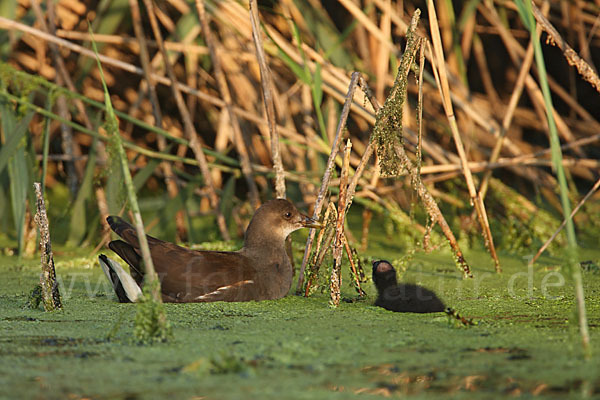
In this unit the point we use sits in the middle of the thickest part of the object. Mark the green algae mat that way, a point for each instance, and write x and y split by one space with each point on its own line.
525 341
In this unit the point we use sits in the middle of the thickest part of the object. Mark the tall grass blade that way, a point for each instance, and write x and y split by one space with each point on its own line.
526 14
151 320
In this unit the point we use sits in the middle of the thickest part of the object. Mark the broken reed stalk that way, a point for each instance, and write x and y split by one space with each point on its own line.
439 69
338 246
322 246
562 225
188 125
267 82
151 319
571 55
327 175
239 141
48 284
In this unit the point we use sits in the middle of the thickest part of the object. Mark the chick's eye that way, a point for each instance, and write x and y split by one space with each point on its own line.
287 214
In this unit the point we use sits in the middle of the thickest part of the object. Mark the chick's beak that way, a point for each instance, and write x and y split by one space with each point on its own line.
309 222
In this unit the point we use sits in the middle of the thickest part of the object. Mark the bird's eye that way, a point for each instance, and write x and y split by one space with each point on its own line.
287 215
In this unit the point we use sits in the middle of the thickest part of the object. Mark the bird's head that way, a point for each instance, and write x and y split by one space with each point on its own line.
274 221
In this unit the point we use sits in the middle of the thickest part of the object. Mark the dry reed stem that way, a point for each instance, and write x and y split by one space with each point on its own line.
572 57
355 274
50 293
396 20
322 247
267 83
525 160
440 68
238 140
336 269
562 225
327 175
358 173
190 131
187 48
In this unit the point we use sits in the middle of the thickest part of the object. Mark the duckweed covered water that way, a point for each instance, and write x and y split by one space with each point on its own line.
525 343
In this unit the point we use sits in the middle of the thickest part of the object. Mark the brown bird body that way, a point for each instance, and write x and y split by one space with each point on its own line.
260 270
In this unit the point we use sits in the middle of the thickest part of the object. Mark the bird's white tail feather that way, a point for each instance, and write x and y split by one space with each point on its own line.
132 290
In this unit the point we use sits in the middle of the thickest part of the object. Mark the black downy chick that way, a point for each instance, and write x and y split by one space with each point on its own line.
403 297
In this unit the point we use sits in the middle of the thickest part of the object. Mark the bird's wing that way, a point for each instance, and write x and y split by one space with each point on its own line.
202 276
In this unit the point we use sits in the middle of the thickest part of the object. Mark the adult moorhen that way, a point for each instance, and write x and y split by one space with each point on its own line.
260 270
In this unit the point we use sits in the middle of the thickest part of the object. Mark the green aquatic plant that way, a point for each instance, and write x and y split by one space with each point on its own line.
35 298
220 364
151 325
